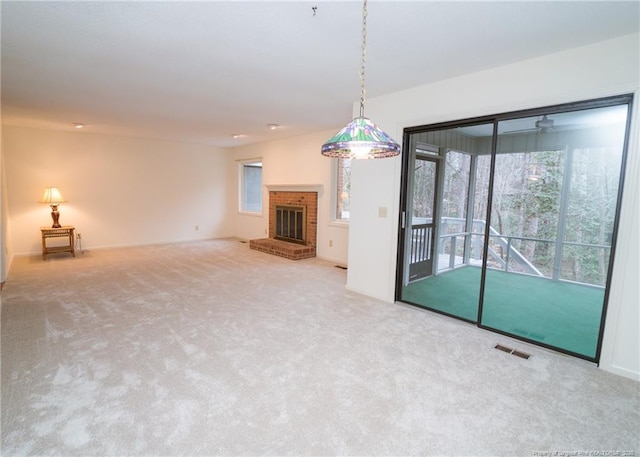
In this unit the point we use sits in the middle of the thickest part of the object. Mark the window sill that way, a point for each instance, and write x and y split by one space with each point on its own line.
340 224
248 213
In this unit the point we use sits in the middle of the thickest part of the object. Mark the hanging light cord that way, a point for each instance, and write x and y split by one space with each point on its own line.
363 91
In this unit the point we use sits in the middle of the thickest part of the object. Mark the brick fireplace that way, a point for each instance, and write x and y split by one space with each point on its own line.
289 207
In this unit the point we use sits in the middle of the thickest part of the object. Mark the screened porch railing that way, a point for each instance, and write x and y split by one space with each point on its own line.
503 253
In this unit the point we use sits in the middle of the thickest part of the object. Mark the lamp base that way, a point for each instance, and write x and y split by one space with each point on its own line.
55 215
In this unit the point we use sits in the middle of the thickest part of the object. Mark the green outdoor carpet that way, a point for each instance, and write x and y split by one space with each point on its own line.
456 292
559 314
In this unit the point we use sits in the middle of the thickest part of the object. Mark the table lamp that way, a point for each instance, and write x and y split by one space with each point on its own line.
53 197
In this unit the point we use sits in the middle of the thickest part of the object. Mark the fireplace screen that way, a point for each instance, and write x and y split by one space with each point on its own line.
291 223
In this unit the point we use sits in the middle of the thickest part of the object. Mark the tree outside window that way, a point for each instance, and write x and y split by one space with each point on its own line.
343 190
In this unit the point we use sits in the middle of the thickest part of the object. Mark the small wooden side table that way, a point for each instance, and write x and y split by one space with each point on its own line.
66 231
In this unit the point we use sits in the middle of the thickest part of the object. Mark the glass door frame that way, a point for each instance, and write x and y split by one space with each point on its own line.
624 99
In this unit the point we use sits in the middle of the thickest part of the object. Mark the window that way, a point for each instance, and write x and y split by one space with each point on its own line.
343 190
251 186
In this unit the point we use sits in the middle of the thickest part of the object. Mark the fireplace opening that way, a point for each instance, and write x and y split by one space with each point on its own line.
291 223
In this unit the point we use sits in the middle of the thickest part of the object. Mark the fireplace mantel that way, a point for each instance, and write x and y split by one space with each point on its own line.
294 188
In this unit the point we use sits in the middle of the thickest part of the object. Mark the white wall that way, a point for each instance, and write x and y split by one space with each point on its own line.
5 254
293 161
598 70
621 345
120 191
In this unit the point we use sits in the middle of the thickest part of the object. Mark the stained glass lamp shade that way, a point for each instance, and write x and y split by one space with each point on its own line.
361 139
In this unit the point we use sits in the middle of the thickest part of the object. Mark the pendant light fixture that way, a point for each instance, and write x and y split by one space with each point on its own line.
361 138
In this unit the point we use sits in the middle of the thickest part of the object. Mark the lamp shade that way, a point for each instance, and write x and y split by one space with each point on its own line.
52 196
361 139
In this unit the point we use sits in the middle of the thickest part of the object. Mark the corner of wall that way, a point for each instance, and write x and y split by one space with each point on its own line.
621 343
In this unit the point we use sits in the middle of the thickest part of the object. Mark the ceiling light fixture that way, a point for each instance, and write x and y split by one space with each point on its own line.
272 126
361 138
78 125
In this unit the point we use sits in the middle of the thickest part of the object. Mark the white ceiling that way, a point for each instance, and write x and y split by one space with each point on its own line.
202 71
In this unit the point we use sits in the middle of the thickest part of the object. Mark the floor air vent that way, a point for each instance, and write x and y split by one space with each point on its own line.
522 355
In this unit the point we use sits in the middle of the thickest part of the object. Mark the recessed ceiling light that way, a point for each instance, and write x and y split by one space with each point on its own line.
78 125
272 126
236 135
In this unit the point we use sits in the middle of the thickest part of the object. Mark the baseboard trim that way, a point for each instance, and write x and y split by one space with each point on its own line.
340 262
621 371
132 245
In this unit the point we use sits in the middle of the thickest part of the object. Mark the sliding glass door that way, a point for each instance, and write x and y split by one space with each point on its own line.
525 210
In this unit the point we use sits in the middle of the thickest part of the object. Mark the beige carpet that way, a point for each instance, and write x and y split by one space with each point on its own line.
210 348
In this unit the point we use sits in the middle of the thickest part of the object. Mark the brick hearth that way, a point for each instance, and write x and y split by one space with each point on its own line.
291 251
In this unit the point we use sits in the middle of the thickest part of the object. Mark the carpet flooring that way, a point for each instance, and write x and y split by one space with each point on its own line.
209 348
560 314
